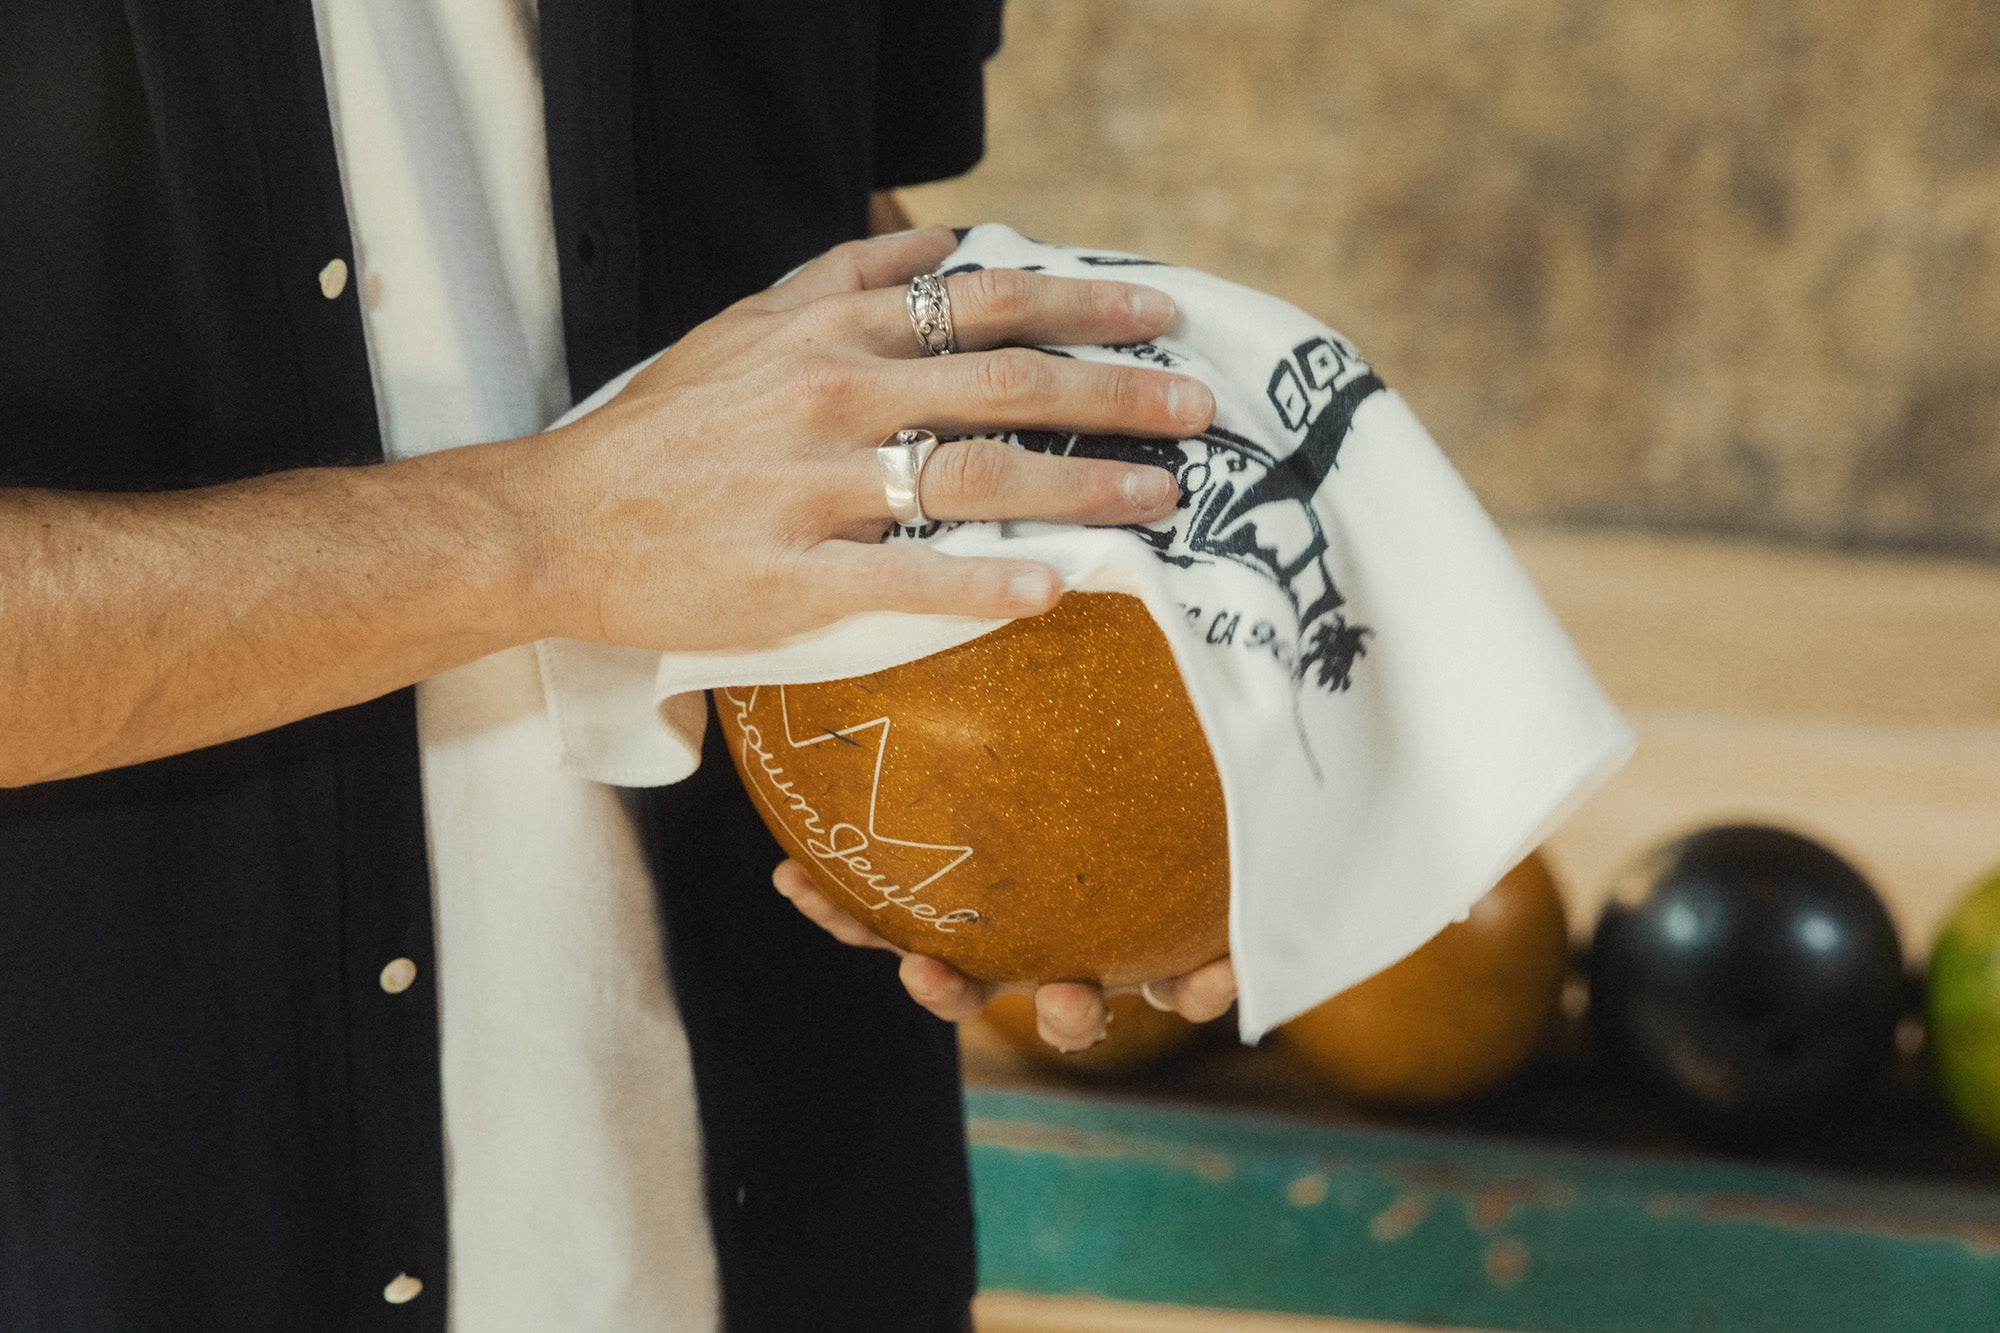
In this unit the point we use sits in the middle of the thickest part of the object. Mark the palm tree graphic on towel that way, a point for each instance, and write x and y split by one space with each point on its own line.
1251 504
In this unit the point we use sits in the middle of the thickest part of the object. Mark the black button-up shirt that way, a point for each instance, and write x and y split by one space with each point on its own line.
212 1112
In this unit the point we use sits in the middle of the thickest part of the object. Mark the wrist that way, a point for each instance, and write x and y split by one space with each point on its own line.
500 565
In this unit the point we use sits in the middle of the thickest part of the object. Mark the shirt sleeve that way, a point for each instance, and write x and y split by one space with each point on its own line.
930 88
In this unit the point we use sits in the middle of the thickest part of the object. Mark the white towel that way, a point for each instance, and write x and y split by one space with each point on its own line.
1396 717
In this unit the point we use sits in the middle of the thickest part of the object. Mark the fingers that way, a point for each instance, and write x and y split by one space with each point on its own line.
852 577
1071 1016
1017 388
857 266
991 479
791 880
943 990
1000 307
936 986
1198 996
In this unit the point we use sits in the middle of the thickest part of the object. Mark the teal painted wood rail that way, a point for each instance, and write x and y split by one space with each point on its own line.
1086 1195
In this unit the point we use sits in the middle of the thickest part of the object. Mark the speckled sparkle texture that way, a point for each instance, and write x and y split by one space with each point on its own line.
1039 804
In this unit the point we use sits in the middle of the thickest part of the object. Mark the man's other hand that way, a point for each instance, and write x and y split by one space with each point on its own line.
729 497
1069 1015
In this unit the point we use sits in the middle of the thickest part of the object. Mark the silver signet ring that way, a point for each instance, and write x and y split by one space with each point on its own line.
901 459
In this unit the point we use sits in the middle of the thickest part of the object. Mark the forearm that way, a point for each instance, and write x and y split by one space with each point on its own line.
135 626
728 497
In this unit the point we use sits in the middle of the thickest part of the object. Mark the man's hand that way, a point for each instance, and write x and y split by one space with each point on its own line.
730 498
1069 1015
727 498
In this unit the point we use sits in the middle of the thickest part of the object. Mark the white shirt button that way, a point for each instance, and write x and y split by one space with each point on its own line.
403 1289
397 975
333 279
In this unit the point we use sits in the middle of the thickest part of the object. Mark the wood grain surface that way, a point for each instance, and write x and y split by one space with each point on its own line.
1019 1312
1856 698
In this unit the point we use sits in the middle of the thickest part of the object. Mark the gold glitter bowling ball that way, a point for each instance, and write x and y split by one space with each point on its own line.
1039 804
1138 1035
1456 1016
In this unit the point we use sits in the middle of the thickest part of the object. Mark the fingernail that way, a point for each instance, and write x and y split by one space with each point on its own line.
1034 587
1190 402
1068 1007
1063 1048
1152 306
1147 488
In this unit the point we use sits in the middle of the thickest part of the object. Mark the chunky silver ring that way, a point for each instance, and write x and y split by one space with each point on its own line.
901 459
930 314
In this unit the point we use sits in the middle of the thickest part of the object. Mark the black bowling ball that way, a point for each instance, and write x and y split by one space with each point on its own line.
1750 976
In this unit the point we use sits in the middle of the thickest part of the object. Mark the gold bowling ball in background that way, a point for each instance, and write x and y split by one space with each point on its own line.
1039 804
1456 1016
1138 1035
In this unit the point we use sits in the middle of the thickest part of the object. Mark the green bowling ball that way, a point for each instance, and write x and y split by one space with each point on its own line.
1962 996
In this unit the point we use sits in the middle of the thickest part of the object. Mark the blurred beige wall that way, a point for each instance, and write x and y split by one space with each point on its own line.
1679 263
